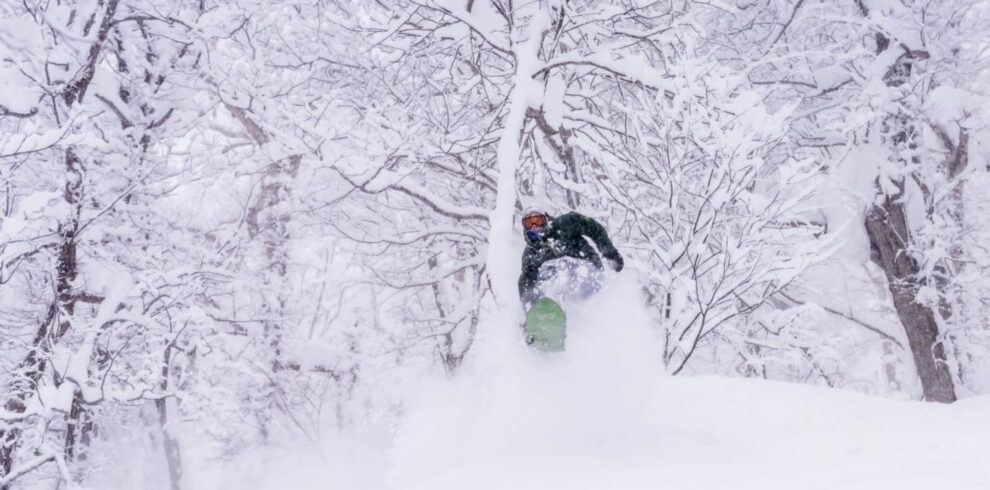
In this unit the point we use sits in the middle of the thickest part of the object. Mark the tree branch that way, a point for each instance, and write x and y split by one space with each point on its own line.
4 111
786 24
76 89
124 121
26 468
857 321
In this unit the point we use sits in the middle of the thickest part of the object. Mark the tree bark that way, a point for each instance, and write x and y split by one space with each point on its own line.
887 228
886 225
51 330
79 427
170 446
269 222
75 90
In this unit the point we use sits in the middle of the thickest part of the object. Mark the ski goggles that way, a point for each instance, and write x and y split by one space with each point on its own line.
534 220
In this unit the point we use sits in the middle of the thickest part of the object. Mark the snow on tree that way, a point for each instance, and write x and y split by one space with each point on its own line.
236 224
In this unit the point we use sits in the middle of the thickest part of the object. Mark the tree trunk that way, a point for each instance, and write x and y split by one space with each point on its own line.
79 427
54 326
170 446
268 220
886 225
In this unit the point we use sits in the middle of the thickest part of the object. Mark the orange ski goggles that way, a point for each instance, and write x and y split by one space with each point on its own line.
534 220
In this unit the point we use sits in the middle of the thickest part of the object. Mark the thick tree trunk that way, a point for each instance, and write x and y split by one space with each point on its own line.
887 228
886 225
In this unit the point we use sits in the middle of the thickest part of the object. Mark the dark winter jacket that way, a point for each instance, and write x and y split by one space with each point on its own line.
565 237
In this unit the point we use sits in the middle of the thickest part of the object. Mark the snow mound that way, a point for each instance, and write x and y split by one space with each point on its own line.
603 415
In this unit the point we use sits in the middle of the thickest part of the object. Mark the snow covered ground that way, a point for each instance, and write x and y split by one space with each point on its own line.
716 434
603 416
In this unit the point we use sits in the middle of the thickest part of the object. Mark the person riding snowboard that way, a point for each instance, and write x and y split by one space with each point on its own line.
571 235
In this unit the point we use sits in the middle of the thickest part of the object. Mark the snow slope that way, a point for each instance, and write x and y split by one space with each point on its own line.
722 434
603 416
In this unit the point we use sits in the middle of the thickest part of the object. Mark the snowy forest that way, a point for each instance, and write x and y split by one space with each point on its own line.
275 244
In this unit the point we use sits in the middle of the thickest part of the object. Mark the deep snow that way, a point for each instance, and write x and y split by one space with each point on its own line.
603 416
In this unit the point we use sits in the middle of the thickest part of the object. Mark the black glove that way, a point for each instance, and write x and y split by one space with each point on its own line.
617 262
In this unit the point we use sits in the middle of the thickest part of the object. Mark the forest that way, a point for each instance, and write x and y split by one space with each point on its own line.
239 224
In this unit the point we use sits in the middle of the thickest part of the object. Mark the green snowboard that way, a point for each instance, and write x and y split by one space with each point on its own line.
545 326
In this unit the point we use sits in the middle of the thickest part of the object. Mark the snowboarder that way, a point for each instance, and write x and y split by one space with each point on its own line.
568 247
571 235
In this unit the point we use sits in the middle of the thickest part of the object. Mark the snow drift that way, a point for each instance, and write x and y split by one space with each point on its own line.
603 415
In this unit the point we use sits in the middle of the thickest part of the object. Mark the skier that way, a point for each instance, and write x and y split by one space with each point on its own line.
572 235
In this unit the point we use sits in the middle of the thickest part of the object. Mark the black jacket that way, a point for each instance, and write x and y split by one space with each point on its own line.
565 237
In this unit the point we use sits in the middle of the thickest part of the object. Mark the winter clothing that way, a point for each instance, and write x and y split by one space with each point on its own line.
568 279
564 236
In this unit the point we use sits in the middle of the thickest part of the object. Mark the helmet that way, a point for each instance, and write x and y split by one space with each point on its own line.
534 223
